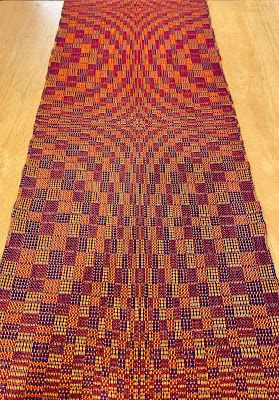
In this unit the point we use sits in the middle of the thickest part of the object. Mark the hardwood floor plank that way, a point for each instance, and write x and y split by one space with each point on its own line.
248 38
27 32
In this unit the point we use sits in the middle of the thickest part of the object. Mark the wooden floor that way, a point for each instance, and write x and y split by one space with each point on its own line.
247 33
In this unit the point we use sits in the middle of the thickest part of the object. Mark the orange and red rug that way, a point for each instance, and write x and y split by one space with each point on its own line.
136 266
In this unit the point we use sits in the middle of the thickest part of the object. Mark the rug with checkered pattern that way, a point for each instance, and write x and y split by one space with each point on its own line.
136 266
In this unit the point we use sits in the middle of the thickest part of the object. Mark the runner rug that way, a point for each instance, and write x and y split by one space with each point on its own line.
136 265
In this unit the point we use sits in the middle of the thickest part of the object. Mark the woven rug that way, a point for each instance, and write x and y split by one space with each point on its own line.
136 265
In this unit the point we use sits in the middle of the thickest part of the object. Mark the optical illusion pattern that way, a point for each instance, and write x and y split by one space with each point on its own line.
136 265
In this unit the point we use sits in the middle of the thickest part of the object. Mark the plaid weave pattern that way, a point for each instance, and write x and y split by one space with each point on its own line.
136 265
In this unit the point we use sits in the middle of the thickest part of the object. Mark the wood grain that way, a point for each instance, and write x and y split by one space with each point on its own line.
27 32
247 33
